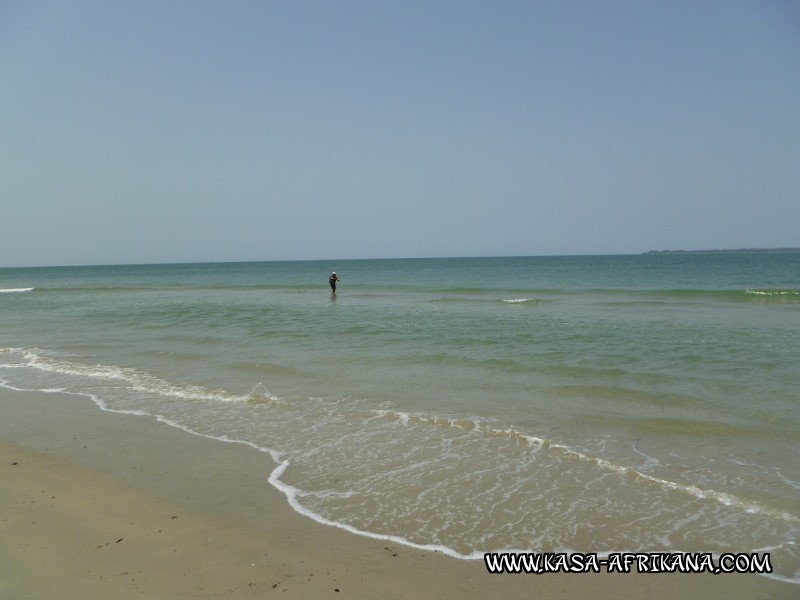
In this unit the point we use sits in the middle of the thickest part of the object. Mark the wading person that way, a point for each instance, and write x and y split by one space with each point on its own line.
332 281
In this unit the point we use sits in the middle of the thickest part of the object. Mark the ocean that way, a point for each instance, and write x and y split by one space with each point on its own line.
465 405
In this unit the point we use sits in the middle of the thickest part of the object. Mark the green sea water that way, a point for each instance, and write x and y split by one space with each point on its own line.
592 403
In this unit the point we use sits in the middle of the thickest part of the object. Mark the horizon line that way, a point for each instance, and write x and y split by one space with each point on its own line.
342 259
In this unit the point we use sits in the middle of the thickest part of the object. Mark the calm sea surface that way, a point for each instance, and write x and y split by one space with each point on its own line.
594 403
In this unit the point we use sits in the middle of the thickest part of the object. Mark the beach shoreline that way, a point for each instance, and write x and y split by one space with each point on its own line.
97 504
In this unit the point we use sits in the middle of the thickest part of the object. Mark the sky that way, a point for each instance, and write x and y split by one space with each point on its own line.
150 131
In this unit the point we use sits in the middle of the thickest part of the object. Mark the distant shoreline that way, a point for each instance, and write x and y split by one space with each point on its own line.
729 251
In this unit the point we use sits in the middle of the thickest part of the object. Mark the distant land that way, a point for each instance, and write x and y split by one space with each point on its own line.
730 251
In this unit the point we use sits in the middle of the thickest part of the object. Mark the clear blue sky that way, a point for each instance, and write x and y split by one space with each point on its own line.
171 131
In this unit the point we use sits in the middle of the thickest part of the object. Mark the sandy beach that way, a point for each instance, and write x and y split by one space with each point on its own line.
98 505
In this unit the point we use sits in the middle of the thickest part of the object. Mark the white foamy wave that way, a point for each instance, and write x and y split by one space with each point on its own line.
136 380
773 292
292 493
521 301
536 443
15 290
473 424
723 498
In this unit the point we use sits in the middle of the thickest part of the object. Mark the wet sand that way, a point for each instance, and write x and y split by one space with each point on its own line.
99 505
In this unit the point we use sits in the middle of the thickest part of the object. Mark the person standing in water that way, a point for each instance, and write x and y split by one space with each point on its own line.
332 281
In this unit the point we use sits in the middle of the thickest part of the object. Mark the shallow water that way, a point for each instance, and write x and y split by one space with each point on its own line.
587 403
